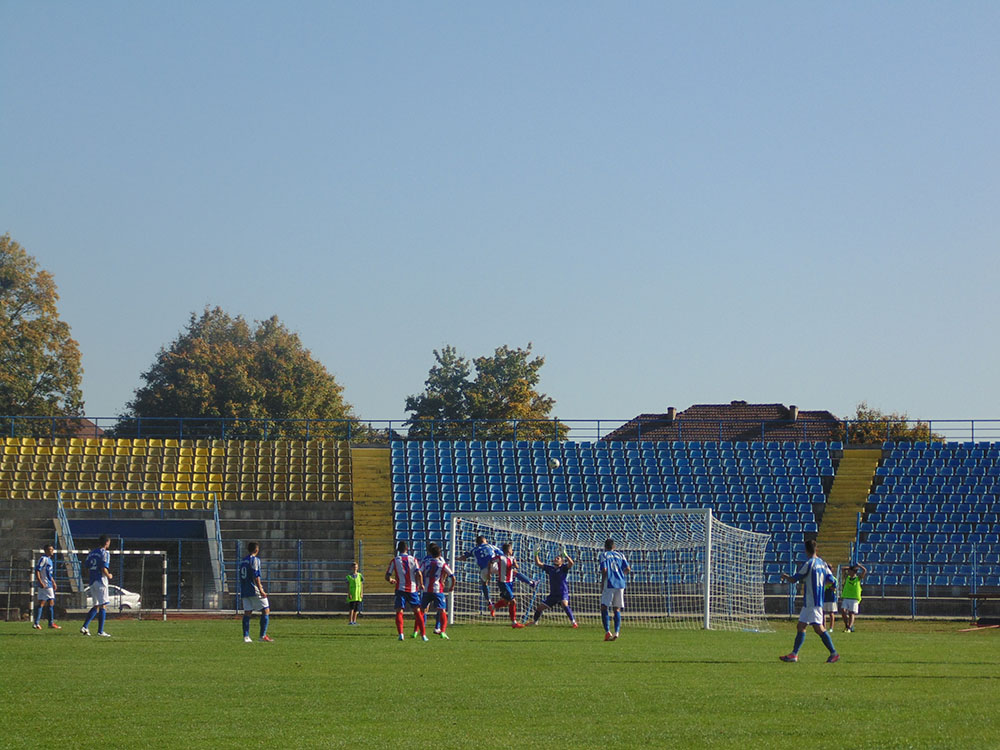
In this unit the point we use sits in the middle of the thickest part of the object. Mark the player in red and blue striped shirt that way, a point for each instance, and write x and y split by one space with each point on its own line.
404 572
506 574
437 574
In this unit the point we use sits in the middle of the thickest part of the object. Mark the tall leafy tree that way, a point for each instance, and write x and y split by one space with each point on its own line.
870 426
220 366
40 368
500 401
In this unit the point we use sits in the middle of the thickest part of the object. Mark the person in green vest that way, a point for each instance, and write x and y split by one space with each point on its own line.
850 593
355 593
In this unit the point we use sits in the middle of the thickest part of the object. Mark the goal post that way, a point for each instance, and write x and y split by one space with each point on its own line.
131 568
688 570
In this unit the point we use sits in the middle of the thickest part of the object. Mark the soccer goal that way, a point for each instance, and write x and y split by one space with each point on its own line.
688 569
139 584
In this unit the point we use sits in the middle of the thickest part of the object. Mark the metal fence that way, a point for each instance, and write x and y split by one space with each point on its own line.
382 432
294 580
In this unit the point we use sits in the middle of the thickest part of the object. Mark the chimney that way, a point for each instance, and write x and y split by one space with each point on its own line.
671 413
793 412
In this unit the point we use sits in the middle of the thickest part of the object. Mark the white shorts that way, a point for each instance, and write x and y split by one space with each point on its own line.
811 615
829 606
614 598
45 594
255 603
98 592
849 605
485 574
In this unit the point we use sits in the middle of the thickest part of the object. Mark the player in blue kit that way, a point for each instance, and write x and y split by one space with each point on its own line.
98 563
253 594
485 555
45 577
614 568
558 587
815 574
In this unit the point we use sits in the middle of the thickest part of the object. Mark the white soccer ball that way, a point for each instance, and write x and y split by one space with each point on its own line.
554 463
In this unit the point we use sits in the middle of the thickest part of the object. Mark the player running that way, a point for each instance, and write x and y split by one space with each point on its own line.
97 564
815 573
404 573
437 576
506 569
558 588
253 594
614 567
45 577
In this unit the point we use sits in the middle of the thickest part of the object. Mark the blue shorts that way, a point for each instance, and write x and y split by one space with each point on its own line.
436 599
553 599
406 599
507 591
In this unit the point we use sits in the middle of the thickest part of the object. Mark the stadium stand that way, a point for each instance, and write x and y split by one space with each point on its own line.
933 514
188 472
771 487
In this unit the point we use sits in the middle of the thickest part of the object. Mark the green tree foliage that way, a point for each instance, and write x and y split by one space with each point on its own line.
222 367
869 426
40 368
500 402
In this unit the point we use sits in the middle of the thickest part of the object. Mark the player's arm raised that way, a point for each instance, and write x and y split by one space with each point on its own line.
569 560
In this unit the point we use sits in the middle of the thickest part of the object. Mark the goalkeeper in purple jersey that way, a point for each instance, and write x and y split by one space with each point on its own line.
815 574
558 587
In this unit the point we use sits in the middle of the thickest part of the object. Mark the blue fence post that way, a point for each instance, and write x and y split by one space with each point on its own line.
298 577
975 581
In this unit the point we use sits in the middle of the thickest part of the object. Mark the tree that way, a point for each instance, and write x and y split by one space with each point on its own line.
221 367
40 368
869 426
500 402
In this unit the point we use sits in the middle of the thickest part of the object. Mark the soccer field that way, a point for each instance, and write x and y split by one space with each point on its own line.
322 684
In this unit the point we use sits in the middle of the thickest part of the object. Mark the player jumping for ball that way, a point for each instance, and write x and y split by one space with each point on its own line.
486 556
558 588
506 568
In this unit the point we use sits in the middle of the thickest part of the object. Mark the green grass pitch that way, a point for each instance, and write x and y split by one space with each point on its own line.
321 684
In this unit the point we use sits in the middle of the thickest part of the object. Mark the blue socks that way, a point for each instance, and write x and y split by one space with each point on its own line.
569 613
264 619
604 619
618 620
90 616
246 626
52 613
101 614
486 592
38 615
800 638
828 642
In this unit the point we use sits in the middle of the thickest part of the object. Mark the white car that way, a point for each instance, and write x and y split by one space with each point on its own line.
120 598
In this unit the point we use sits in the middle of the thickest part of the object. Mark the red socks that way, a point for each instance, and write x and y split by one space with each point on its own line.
399 622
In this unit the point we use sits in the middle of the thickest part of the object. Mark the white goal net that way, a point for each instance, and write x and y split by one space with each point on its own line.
688 570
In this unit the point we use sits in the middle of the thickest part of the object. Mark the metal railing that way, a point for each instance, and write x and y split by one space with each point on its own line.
383 431
289 576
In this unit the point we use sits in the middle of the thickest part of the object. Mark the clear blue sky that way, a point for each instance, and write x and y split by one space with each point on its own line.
676 202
